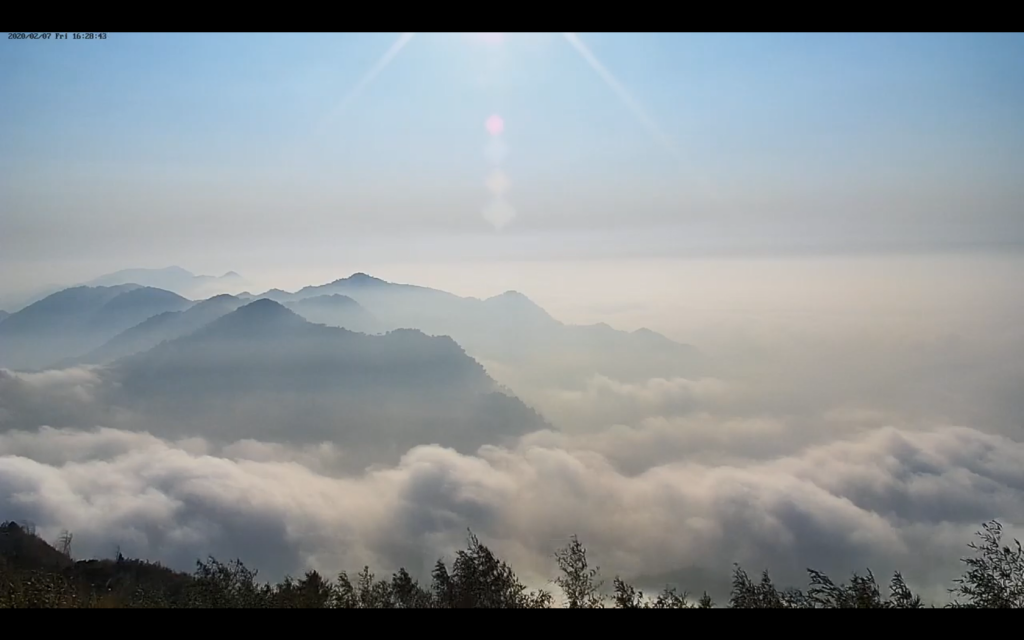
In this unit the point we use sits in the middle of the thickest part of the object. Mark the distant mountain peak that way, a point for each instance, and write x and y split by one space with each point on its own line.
514 297
259 316
231 274
360 278
265 306
222 297
143 295
76 295
655 338
516 307
649 335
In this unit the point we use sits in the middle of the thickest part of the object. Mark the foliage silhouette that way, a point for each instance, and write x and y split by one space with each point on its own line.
34 574
578 581
995 577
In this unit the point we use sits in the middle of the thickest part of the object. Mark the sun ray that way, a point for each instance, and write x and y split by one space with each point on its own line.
370 75
620 91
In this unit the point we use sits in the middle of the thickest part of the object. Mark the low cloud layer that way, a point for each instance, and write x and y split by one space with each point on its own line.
888 498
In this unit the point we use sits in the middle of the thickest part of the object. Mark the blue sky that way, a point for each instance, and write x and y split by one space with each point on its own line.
162 141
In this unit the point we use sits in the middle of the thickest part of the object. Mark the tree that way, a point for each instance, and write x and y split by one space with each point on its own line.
705 602
407 593
746 594
442 586
64 543
372 593
345 594
626 596
900 596
861 593
232 585
670 599
314 592
578 581
995 576
479 580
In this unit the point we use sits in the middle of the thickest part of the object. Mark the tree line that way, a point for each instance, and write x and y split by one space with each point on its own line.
35 574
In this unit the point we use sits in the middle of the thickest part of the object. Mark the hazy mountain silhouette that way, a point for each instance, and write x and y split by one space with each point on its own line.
337 311
381 292
264 372
3 315
77 320
174 279
233 369
19 299
277 295
159 328
524 309
511 328
171 278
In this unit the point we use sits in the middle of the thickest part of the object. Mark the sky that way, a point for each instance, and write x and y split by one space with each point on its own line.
225 152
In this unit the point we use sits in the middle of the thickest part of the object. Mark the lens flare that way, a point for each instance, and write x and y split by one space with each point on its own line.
497 182
495 151
494 125
499 213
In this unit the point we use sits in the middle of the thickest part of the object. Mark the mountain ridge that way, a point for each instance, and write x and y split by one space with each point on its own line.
75 320
507 328
512 328
159 328
263 372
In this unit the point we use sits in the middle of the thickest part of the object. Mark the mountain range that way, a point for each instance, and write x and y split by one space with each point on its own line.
510 328
265 372
76 320
373 366
262 372
159 328
174 279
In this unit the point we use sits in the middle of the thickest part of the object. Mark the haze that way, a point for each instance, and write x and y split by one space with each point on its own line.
822 234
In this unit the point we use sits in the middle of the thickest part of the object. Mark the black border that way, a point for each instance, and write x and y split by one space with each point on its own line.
425 17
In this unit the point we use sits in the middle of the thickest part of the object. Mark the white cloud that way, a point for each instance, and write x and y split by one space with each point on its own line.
886 499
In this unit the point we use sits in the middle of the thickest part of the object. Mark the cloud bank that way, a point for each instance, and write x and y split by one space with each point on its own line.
889 498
